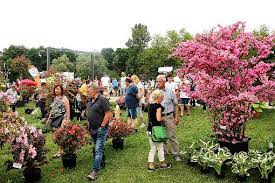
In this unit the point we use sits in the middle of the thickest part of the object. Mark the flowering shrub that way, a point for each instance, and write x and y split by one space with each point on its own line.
28 147
119 129
5 101
228 70
9 124
71 138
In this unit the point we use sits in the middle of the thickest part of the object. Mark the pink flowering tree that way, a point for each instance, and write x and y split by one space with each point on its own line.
231 73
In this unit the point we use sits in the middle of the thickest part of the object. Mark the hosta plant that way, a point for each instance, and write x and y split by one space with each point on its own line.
258 107
266 164
241 164
219 159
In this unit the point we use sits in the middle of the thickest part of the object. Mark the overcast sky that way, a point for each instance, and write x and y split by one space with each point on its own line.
94 24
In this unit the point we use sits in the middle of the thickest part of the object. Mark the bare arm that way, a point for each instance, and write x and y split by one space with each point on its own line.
67 108
158 114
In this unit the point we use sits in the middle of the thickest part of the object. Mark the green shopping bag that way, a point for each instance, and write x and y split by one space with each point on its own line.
159 134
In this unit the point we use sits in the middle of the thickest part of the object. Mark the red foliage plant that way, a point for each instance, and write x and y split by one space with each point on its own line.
70 138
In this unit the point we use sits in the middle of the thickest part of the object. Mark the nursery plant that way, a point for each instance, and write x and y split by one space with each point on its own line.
227 67
219 159
241 164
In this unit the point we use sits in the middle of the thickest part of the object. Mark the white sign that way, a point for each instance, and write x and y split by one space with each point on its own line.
17 165
33 72
165 69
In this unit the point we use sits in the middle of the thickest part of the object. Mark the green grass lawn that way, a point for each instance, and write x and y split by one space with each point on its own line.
130 164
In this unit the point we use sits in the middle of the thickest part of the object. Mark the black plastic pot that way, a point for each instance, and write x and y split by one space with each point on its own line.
189 162
205 170
20 103
118 143
32 174
221 176
69 160
241 178
238 147
269 180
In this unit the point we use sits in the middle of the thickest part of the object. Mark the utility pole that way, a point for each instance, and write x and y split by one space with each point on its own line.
93 67
48 58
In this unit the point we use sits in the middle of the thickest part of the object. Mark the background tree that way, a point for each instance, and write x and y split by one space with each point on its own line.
19 65
136 44
108 55
84 65
121 56
63 64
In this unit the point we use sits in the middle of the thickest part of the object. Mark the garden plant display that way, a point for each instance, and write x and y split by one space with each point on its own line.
229 69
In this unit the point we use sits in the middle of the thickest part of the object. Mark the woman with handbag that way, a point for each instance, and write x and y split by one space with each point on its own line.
60 113
156 131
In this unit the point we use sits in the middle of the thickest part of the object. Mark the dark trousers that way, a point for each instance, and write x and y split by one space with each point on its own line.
42 105
13 107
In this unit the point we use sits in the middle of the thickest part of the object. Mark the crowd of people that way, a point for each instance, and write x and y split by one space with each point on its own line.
166 99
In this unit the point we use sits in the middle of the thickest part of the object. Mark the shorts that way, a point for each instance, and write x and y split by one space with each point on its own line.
132 112
184 101
115 88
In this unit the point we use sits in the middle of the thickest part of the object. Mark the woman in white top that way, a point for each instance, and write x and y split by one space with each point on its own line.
184 97
140 96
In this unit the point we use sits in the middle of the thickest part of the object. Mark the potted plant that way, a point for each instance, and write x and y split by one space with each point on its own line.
70 138
28 151
204 159
241 164
258 109
191 153
25 94
118 130
5 101
266 166
9 124
228 67
218 161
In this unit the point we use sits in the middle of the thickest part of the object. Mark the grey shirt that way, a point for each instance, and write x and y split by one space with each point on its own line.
169 101
96 111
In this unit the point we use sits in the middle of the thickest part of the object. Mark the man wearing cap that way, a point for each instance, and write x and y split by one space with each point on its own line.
99 115
171 115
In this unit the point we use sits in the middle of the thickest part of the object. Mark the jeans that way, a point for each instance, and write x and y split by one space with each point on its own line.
99 139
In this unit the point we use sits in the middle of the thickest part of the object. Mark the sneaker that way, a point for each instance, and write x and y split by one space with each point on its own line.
151 167
177 158
92 176
165 165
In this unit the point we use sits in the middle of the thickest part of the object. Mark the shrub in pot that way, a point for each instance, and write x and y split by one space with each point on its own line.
9 125
117 131
230 70
70 138
28 150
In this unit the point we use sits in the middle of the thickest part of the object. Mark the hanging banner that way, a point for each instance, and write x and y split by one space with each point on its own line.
35 74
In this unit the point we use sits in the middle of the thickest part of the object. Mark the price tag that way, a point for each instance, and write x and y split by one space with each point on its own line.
17 165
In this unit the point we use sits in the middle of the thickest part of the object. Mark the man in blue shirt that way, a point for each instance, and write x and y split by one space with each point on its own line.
131 102
115 86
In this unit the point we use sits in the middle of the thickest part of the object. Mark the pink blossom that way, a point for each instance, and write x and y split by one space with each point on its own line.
229 77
